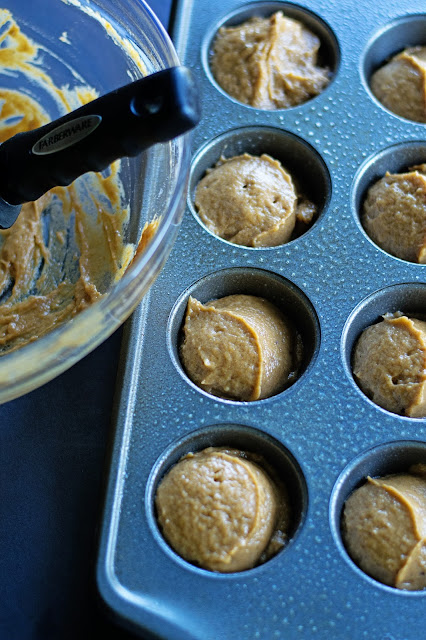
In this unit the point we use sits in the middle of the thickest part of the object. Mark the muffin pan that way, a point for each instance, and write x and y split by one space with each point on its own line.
322 433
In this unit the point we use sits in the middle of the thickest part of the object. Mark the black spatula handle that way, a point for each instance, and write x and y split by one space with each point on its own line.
122 123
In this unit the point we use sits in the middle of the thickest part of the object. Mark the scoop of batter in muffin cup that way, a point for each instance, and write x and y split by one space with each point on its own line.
221 510
384 528
269 63
239 347
252 201
400 84
389 364
394 214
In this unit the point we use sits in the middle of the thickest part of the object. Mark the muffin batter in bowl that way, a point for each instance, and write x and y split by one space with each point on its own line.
400 84
239 347
389 364
269 63
251 201
394 214
66 249
384 528
220 510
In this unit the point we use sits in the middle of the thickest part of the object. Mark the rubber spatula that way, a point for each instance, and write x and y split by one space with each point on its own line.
124 122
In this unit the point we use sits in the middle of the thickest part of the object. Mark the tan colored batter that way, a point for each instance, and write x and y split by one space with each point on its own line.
220 510
390 364
394 214
269 63
251 201
239 347
384 528
57 258
400 85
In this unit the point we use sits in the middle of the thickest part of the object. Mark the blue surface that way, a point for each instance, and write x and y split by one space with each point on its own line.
53 447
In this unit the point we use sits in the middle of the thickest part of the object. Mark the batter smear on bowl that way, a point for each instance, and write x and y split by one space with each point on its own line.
66 249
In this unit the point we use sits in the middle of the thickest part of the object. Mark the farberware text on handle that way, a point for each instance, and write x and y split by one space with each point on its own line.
121 123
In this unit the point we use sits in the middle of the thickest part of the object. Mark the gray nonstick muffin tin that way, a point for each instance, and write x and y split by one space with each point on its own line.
322 434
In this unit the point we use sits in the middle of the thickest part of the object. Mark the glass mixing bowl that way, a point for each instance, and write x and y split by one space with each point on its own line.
105 44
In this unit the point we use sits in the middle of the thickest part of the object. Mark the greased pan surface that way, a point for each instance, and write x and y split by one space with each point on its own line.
322 432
